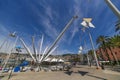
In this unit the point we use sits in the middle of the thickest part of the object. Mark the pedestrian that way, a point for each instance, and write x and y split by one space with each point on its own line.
102 66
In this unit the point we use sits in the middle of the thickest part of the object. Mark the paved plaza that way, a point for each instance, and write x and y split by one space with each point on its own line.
76 73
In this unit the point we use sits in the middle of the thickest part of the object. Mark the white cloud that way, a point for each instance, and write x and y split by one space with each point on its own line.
76 7
49 28
74 31
49 12
77 11
46 19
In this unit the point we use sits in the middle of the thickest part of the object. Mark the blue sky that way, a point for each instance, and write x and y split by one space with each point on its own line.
49 17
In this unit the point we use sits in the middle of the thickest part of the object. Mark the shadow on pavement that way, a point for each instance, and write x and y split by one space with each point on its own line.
82 72
79 72
5 77
1 77
68 72
78 67
97 77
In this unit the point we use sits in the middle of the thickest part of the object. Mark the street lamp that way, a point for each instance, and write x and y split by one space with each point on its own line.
12 35
80 48
80 52
86 53
86 24
18 49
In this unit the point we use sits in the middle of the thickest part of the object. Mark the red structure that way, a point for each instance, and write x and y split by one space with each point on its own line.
113 52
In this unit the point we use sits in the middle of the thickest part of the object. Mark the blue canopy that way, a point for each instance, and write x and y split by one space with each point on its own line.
16 69
25 63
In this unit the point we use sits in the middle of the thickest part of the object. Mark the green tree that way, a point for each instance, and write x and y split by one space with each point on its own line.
91 54
115 41
101 54
109 46
102 40
112 43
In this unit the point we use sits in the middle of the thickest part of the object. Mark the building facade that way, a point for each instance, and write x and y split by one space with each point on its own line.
113 53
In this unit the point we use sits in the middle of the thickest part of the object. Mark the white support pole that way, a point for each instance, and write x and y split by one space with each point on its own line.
50 53
4 42
7 46
43 55
34 50
87 23
37 55
87 53
116 58
113 8
8 56
27 49
61 34
93 49
40 49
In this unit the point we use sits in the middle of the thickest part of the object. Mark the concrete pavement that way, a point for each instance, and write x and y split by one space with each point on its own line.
79 72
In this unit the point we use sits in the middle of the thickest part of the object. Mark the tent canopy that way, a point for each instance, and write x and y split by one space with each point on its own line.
53 60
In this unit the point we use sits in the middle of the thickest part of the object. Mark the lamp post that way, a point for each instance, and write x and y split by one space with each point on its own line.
18 49
80 52
12 35
93 50
86 53
86 24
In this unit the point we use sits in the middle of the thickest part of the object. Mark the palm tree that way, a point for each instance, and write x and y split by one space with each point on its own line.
91 54
114 42
101 54
101 40
109 46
